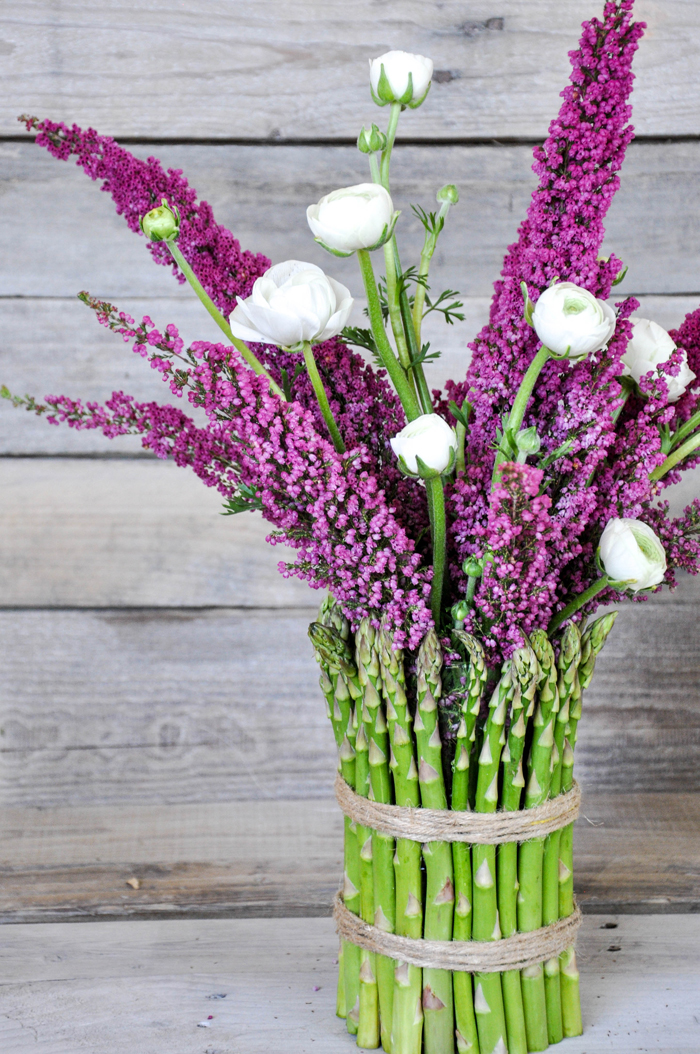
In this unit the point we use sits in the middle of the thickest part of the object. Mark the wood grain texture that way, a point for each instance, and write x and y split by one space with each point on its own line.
264 987
137 533
54 346
144 533
137 707
634 853
261 194
213 68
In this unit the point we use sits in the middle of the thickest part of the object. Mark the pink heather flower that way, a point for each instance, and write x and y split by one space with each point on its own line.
137 186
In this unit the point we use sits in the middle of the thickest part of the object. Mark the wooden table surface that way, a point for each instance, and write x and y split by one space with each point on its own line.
159 716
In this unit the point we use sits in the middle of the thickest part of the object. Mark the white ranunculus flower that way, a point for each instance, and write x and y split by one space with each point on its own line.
631 552
431 439
359 217
649 347
568 317
290 303
394 85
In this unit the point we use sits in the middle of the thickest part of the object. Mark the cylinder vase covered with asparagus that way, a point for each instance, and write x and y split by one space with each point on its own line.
438 729
464 536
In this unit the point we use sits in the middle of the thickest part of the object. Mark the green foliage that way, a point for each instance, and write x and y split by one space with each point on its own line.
246 499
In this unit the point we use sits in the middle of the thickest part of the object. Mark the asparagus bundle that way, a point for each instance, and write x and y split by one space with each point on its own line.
516 756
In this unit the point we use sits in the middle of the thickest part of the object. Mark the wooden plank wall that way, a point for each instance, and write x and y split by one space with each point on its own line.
159 712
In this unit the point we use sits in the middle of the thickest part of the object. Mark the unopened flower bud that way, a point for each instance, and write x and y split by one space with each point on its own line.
448 193
162 223
371 140
399 76
528 441
430 440
460 610
472 567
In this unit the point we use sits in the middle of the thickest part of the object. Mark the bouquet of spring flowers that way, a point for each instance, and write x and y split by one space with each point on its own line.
465 537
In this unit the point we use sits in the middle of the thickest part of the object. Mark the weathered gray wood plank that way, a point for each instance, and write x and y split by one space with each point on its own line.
232 69
263 986
261 193
634 853
130 533
102 533
188 706
55 346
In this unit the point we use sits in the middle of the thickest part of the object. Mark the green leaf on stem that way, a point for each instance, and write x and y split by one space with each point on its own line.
246 499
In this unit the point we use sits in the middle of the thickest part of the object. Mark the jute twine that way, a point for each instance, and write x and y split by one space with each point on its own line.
510 953
443 825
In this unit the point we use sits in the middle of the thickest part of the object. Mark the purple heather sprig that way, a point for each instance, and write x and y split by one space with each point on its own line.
329 507
137 186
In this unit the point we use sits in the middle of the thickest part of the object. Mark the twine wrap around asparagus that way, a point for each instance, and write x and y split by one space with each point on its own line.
427 825
510 953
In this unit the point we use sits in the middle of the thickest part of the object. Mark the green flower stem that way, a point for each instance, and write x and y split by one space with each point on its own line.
406 342
414 351
438 997
426 256
522 398
389 361
436 506
676 457
322 398
488 993
573 606
686 429
394 306
392 127
221 322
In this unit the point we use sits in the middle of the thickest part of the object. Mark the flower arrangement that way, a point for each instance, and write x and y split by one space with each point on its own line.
465 537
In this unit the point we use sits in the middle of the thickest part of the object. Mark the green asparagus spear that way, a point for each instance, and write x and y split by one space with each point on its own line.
531 854
526 673
407 1021
383 881
339 683
488 995
592 641
438 1004
465 1021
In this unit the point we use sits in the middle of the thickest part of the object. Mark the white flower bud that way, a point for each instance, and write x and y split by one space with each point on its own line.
290 303
649 347
431 439
631 552
571 322
399 76
359 217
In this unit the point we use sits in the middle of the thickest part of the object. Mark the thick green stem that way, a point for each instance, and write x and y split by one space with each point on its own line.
221 322
574 605
392 294
676 457
436 504
392 127
389 361
686 429
517 413
322 398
